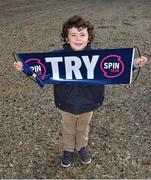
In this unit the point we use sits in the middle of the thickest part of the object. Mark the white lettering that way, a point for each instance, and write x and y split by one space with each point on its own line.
116 65
105 65
72 65
111 65
90 65
54 64
32 68
36 68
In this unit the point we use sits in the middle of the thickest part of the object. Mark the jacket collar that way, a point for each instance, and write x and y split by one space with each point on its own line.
67 47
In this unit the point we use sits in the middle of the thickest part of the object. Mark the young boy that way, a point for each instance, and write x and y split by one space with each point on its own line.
78 102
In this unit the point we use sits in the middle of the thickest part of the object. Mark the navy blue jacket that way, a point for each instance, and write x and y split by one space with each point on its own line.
79 98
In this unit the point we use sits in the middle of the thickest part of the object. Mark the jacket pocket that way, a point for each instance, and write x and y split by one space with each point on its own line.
95 94
61 92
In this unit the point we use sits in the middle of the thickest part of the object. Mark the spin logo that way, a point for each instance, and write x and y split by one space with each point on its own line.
112 66
37 67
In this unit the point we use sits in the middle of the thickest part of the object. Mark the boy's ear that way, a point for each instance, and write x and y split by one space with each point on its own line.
67 40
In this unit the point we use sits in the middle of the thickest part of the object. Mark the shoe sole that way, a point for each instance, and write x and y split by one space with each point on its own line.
63 165
83 161
86 162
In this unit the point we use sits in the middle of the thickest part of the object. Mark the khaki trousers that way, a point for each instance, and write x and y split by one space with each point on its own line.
75 130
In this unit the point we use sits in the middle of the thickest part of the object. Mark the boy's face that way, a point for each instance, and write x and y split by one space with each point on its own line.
78 39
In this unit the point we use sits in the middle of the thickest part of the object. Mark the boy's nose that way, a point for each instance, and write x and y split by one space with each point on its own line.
78 37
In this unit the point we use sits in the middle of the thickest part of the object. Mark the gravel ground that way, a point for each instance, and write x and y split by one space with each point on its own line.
30 128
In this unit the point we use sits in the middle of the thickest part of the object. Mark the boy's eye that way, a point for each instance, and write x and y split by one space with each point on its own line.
75 35
72 35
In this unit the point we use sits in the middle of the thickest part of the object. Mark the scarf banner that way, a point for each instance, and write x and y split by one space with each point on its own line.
92 67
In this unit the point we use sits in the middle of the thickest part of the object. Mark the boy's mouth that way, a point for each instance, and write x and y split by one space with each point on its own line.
78 44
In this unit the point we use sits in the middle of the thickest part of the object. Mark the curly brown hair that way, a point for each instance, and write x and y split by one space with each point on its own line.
77 22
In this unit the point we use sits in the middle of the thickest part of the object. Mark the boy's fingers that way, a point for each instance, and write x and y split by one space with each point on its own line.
17 66
143 59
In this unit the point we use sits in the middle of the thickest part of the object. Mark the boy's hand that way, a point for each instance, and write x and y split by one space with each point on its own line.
141 61
18 66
